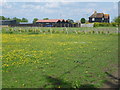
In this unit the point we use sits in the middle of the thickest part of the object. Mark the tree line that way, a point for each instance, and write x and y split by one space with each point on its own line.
82 20
26 20
15 18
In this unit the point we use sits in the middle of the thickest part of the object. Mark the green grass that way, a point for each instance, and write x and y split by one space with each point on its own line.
57 60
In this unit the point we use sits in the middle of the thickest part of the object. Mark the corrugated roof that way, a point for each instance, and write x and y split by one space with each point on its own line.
51 20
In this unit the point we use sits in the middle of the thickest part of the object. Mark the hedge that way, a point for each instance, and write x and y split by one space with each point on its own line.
105 24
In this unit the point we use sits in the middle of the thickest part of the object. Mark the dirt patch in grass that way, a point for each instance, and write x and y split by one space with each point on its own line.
112 79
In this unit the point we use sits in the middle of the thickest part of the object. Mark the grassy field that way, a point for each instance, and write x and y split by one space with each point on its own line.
57 60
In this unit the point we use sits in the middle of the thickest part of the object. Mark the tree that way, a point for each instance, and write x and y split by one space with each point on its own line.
8 18
2 18
82 20
17 19
45 18
117 19
34 20
70 20
24 20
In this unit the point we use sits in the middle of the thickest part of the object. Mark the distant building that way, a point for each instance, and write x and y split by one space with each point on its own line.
78 23
8 22
53 23
99 17
24 23
87 25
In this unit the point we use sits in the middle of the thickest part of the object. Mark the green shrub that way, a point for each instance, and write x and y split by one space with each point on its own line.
98 32
92 32
43 31
108 32
96 24
114 24
53 31
49 30
105 24
102 32
22 30
33 33
30 30
37 30
10 29
57 31
10 32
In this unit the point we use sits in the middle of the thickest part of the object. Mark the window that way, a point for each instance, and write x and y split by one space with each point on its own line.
93 19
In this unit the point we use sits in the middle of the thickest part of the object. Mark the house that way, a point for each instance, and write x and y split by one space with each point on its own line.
53 23
99 17
8 22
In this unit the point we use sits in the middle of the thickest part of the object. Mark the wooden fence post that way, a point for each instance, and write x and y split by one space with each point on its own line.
66 30
76 32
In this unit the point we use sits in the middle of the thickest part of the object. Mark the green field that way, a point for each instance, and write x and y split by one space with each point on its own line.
57 60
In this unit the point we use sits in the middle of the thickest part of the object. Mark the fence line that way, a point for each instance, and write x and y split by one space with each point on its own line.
61 30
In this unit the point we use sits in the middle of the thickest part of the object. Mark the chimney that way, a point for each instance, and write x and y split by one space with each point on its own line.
95 12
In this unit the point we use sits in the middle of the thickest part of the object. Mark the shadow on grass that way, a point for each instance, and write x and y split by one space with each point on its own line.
114 82
59 83
113 77
33 33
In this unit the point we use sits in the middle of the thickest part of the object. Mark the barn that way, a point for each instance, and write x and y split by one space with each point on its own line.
53 23
99 17
8 22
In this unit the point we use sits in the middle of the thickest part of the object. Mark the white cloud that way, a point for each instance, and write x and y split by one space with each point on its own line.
48 5
91 5
46 8
76 0
2 2
28 6
52 5
115 6
6 5
38 7
64 10
62 0
31 6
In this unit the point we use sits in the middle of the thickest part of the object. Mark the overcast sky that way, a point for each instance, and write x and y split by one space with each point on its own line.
57 10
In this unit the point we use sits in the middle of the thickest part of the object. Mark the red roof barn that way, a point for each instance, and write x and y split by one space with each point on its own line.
52 22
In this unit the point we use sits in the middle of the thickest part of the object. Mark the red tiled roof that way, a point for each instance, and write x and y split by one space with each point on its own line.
51 20
99 15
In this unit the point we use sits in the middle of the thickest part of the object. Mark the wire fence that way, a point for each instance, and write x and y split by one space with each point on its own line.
51 30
